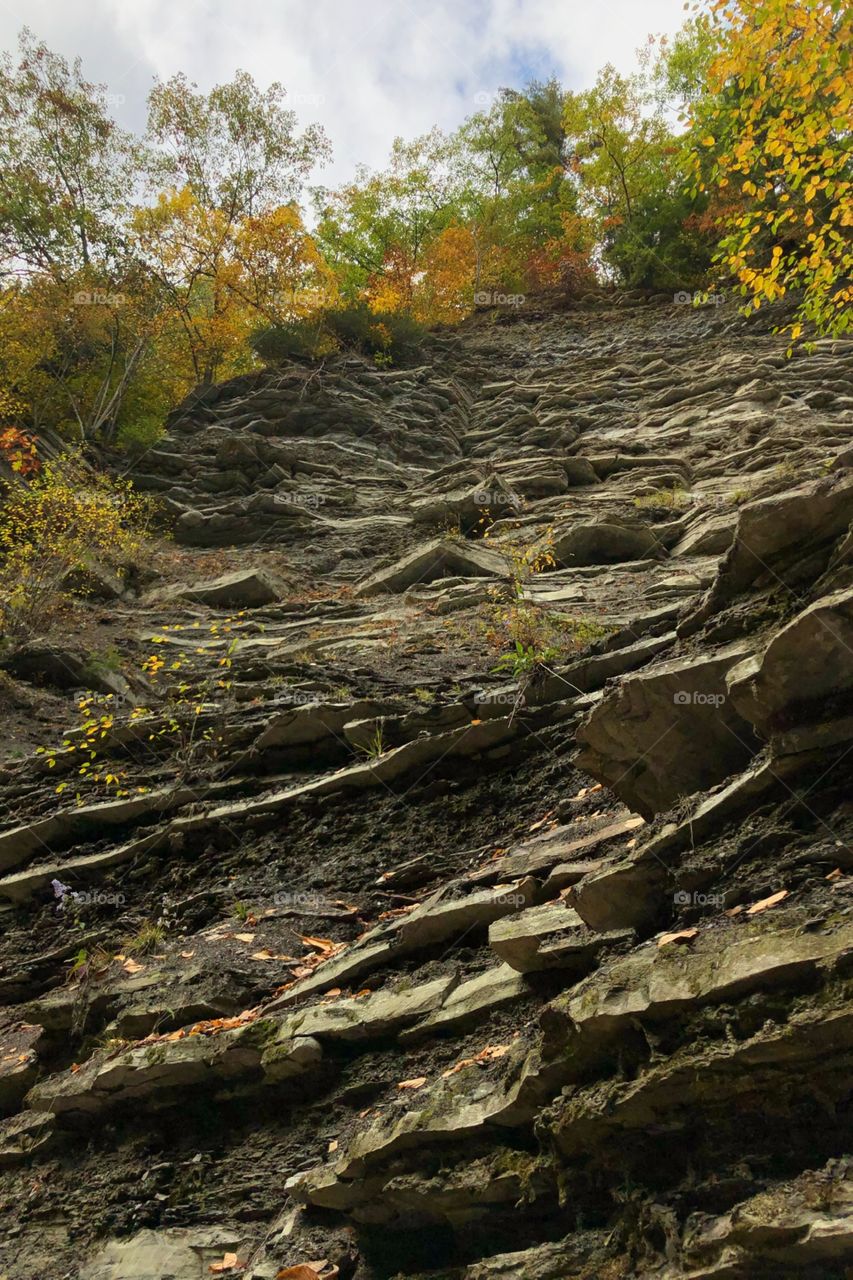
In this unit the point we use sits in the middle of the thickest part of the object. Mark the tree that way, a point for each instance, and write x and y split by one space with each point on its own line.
235 149
633 173
66 169
221 278
776 129
375 231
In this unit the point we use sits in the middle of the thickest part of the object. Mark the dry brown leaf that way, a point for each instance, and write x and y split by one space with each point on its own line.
541 823
187 955
365 991
244 937
734 911
322 944
766 902
304 1271
132 966
228 1263
333 1145
836 874
332 994
490 1054
683 935
416 1083
263 955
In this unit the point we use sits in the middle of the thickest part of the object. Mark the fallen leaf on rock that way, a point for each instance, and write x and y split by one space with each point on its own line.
683 935
322 1270
187 955
228 1263
735 911
541 823
333 1145
415 1083
766 902
322 944
489 1054
264 955
365 991
332 994
836 874
245 937
131 966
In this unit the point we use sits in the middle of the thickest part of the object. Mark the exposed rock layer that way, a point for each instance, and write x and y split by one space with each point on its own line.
459 975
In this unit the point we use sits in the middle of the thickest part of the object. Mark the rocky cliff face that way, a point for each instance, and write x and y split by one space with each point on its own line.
456 975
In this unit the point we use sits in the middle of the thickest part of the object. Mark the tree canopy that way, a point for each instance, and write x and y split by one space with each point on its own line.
133 268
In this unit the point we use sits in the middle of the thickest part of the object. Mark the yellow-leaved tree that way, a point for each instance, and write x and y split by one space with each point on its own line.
776 123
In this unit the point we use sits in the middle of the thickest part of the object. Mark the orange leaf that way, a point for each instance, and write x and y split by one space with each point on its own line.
228 1263
766 902
541 823
417 1083
683 935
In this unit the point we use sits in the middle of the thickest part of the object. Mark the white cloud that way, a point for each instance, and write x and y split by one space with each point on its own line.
366 69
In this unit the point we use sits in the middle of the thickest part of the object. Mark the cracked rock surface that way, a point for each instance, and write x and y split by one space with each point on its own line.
451 973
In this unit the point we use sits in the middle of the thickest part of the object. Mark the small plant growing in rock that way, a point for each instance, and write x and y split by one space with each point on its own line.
530 634
148 938
53 525
664 500
375 745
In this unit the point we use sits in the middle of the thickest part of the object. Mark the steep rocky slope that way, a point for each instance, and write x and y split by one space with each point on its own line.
453 974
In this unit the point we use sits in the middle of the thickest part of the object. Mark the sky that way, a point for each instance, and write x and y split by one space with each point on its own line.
367 70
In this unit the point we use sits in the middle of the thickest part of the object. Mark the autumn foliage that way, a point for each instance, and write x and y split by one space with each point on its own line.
776 123
135 268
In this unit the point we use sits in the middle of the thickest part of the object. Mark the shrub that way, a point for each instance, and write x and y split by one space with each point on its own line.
387 336
64 518
298 340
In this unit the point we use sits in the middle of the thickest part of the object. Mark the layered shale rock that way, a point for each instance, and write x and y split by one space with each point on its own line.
427 968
